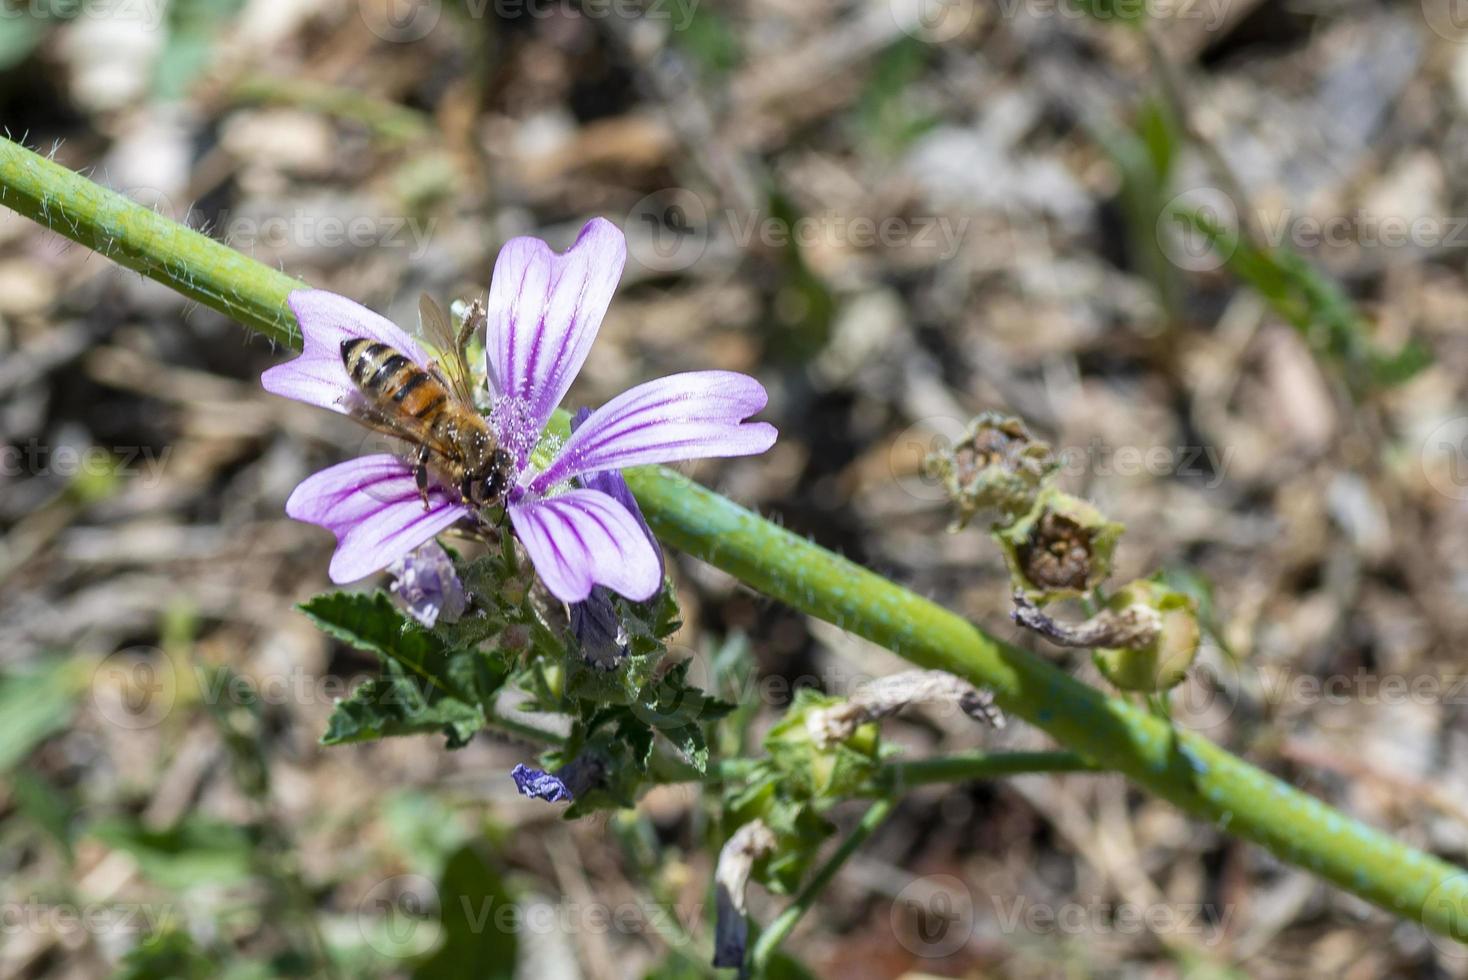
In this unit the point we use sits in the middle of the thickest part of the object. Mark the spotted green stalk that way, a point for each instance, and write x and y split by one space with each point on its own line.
1184 768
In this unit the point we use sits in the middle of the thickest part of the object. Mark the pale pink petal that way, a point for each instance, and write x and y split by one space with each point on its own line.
583 538
683 416
545 310
372 506
318 376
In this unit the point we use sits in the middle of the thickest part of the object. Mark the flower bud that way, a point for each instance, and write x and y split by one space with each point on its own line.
825 746
997 465
1061 548
1161 662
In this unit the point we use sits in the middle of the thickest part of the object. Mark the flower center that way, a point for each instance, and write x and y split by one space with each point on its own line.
511 420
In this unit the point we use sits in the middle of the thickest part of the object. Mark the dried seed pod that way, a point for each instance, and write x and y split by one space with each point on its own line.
997 465
1061 548
1163 660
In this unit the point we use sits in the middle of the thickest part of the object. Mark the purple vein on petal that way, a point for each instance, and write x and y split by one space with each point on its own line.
373 507
584 538
684 416
545 310
317 376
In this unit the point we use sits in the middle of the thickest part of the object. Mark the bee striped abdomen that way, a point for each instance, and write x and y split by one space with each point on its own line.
388 377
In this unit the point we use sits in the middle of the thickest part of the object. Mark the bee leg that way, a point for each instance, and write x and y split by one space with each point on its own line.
420 475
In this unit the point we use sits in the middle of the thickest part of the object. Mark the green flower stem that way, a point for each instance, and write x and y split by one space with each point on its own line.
133 236
1182 767
786 921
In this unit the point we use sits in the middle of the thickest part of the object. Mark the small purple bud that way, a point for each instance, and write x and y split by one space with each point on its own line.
600 637
565 784
425 583
537 784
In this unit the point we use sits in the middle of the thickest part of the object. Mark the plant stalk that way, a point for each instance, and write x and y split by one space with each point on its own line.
1185 768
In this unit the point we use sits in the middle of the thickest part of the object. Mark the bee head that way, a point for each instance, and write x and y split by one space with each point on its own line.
494 485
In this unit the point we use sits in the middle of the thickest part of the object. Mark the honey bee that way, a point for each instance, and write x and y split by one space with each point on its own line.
431 409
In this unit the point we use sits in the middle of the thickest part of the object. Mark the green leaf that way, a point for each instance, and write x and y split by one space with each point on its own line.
192 852
168 955
424 829
373 624
691 742
47 806
35 706
425 687
391 706
479 920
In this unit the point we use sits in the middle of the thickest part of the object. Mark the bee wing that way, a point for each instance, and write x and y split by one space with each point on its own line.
403 427
438 330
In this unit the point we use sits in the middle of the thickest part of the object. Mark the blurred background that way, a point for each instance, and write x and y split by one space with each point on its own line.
1210 249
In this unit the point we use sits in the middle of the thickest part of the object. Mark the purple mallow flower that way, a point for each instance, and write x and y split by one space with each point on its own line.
544 310
425 582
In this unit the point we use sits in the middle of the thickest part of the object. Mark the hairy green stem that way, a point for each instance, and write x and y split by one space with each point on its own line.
1182 767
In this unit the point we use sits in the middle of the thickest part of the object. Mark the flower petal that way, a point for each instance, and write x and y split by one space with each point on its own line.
583 538
545 310
318 377
372 506
612 483
683 416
